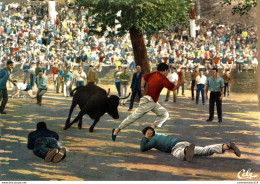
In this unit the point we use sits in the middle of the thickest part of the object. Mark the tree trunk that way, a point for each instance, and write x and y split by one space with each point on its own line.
139 48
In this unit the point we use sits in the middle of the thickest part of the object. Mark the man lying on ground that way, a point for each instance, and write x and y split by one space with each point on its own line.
44 144
182 150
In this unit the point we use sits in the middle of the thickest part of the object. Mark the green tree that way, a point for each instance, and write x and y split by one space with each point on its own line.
138 17
241 8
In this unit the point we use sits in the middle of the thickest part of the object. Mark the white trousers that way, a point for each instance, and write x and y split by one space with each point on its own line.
67 88
146 105
178 150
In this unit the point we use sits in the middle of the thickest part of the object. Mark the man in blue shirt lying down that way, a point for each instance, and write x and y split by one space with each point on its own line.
181 149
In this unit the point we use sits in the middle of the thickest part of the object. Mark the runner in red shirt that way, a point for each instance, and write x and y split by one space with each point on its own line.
155 83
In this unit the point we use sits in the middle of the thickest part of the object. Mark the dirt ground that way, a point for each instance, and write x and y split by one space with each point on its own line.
93 156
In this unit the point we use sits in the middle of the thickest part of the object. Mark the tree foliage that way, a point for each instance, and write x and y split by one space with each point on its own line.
241 8
148 16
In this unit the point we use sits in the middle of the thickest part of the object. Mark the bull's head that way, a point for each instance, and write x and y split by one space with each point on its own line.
113 105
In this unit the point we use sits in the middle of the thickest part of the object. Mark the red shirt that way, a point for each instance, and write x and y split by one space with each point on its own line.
156 82
54 70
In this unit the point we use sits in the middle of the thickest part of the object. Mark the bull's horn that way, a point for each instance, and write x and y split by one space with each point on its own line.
108 91
125 97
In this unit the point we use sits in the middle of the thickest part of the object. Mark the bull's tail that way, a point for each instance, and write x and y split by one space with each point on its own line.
72 92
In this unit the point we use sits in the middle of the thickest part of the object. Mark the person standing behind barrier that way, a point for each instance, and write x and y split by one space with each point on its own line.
227 81
32 74
173 78
4 76
42 87
80 77
74 72
182 76
60 80
55 75
124 82
136 86
117 80
92 76
26 68
67 78
194 75
216 86
200 81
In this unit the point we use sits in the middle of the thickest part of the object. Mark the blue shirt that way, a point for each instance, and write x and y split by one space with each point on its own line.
60 72
160 142
67 76
4 76
215 85
42 81
26 68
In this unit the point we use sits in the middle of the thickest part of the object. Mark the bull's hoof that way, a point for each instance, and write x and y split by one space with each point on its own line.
91 130
66 126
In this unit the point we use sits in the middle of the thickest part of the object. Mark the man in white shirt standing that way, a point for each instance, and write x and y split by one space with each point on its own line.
201 81
80 77
173 78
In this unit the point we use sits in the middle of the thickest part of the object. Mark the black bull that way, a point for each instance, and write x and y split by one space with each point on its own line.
93 101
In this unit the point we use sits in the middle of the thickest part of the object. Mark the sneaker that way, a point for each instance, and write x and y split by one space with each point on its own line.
130 109
189 151
3 112
49 156
220 121
58 157
208 120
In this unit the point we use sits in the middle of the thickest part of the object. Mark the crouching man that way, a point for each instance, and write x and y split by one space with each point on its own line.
44 144
181 149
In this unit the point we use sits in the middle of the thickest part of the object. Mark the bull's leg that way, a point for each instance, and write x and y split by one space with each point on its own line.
91 129
67 124
80 123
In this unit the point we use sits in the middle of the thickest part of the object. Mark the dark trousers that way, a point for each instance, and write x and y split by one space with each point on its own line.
43 145
4 98
40 93
200 90
118 88
32 79
192 88
134 92
214 97
226 89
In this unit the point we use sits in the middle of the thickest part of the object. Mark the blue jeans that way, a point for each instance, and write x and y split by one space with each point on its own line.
118 88
43 145
132 65
182 88
200 90
133 97
79 83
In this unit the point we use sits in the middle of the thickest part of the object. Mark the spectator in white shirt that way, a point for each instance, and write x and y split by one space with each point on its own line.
173 78
201 81
80 77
